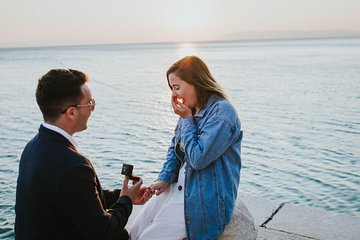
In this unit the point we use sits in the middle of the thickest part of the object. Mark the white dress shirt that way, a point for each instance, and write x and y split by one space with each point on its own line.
62 132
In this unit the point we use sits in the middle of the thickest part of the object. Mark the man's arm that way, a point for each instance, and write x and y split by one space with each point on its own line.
77 196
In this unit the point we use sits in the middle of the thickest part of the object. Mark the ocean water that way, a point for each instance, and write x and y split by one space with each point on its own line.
298 100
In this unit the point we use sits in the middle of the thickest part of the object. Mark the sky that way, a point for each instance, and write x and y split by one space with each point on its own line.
73 22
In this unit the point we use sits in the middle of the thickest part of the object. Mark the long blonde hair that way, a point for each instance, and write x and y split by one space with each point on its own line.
194 71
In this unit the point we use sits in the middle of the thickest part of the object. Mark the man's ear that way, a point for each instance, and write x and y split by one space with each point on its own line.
71 113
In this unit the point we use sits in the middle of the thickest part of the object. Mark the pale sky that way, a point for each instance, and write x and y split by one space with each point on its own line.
68 22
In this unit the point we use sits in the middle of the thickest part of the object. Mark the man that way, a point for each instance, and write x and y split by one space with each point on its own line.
58 193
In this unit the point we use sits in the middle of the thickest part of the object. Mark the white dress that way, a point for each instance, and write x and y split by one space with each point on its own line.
162 217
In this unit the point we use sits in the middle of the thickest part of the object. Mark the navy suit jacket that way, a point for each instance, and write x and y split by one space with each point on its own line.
59 196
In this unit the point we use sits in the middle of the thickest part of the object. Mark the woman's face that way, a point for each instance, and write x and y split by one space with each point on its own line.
182 91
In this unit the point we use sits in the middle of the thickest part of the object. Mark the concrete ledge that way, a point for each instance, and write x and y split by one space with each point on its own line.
261 209
268 234
315 223
274 220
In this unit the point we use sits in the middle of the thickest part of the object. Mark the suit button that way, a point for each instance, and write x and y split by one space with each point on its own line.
180 188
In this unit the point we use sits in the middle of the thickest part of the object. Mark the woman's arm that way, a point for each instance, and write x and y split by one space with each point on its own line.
213 140
170 170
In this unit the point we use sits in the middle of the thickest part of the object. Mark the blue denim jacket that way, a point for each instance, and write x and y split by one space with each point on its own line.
211 141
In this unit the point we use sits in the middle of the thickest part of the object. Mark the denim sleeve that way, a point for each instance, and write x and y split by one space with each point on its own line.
214 139
171 167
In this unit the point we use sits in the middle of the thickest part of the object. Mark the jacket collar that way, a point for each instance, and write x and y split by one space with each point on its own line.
55 135
209 102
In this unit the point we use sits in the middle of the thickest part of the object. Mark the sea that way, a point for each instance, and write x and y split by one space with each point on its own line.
298 101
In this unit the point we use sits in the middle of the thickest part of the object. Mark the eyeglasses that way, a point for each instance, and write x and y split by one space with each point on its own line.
90 104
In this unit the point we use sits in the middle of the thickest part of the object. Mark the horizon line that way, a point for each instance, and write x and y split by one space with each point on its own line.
259 39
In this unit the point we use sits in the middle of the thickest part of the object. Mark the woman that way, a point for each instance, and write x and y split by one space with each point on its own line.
199 180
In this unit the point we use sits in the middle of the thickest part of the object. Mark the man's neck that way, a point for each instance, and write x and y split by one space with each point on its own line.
64 127
61 131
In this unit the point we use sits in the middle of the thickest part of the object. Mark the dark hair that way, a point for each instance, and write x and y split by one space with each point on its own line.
58 89
194 71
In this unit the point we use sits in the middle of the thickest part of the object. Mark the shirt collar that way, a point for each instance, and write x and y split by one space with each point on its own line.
62 132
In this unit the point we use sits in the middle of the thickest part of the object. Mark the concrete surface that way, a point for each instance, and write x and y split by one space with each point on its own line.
275 220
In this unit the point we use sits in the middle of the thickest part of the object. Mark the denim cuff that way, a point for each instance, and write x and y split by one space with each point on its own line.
187 122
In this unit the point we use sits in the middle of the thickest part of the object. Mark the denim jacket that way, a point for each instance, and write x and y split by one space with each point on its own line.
211 142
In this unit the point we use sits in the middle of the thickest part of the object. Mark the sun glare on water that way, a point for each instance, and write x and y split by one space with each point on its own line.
186 49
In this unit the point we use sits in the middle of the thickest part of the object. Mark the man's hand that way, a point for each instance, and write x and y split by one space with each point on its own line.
133 191
137 193
144 195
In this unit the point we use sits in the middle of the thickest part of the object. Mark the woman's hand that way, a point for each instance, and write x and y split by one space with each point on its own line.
159 187
180 108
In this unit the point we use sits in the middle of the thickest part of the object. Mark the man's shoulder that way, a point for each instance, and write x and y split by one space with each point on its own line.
53 146
51 153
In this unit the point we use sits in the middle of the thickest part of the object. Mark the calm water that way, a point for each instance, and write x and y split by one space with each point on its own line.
298 100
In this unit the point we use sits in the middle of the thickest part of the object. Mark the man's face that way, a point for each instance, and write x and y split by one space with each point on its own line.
84 111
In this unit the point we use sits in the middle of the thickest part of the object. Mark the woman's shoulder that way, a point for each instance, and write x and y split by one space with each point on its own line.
223 110
224 107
